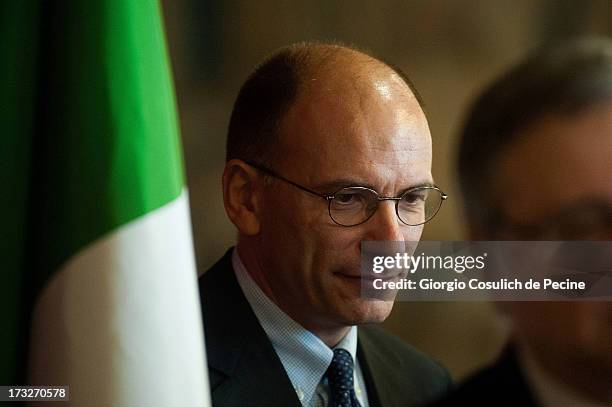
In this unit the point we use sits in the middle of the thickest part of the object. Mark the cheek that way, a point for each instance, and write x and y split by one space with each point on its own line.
284 220
412 233
306 237
340 247
333 249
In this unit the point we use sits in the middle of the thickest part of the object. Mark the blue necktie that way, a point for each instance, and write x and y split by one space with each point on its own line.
340 377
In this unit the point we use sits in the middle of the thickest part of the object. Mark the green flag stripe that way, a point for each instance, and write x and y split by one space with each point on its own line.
18 37
107 150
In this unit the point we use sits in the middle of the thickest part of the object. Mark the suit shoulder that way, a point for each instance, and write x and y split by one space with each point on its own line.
396 347
218 277
415 366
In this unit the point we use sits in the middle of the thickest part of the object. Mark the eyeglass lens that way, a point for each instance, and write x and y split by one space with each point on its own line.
352 206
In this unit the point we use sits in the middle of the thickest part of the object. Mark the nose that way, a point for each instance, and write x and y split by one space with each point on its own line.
384 224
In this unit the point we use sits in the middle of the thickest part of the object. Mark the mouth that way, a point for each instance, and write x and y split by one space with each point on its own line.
369 278
355 281
365 287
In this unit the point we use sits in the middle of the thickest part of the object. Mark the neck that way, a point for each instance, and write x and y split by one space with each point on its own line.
330 334
331 337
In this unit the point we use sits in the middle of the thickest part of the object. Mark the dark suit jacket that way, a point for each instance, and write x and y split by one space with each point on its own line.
245 370
502 384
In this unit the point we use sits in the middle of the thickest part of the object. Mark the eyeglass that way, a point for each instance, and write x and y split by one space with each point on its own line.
354 205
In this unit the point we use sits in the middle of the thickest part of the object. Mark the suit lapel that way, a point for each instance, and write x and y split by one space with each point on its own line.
390 381
244 367
378 372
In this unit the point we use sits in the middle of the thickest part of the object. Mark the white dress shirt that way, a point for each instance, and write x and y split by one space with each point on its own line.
304 356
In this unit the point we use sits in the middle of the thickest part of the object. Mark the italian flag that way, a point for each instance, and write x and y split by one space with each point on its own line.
100 284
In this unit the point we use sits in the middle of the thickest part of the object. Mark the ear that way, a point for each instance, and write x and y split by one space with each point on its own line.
242 196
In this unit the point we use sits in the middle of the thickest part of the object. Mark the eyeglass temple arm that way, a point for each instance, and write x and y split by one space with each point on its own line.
328 197
275 175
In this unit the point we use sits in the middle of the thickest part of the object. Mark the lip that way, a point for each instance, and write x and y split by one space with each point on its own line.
369 277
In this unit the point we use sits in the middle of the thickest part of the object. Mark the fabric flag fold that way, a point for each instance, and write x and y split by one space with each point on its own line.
102 266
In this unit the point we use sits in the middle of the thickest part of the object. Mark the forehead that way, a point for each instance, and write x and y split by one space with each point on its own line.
366 123
557 162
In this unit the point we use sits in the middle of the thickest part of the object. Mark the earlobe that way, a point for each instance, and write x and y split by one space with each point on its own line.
241 196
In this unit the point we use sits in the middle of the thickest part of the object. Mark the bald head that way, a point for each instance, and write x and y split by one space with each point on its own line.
319 119
303 68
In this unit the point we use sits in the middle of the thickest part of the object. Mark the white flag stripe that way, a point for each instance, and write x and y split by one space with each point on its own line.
120 322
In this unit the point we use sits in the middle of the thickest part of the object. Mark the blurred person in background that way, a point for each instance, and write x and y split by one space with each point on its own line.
326 147
535 163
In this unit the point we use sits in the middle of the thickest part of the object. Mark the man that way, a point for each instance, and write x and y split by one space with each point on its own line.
535 163
316 132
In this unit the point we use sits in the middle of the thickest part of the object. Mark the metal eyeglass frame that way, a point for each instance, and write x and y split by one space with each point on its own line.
379 198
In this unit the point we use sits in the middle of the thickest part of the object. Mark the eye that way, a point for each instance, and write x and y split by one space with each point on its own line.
415 197
348 198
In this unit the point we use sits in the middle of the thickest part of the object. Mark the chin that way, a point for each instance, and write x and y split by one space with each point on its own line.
370 311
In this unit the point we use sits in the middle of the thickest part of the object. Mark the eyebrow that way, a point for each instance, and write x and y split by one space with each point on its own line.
336 185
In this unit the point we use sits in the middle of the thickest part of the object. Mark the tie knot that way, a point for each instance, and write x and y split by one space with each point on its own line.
340 372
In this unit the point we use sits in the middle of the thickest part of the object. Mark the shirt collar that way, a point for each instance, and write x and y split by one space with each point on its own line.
304 356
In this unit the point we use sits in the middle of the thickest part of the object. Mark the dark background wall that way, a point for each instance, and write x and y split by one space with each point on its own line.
449 48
